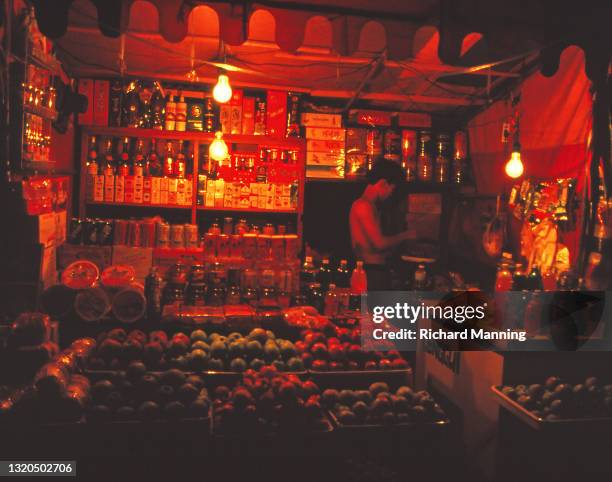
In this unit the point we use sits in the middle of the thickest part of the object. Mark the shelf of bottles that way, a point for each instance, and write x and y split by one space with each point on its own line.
136 168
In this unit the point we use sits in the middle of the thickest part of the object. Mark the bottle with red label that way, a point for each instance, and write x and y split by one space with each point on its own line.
168 167
109 161
124 164
153 166
138 164
180 164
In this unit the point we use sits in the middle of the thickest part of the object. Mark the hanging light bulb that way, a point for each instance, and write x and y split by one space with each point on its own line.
222 91
218 148
514 167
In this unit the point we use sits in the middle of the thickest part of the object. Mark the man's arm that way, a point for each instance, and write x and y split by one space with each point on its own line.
370 226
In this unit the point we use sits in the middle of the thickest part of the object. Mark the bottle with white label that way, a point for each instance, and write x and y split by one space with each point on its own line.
170 122
181 114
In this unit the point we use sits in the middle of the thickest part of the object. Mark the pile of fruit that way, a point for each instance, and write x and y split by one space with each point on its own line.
341 350
557 400
198 351
135 394
379 406
268 401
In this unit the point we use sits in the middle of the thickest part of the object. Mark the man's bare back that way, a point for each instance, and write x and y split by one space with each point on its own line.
363 218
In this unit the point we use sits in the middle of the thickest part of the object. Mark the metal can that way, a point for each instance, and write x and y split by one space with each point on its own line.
120 232
75 236
105 233
134 233
147 235
163 235
192 240
177 236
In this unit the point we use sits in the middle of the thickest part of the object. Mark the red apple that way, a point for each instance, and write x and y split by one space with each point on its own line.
336 353
319 365
336 366
307 359
300 346
399 363
182 337
333 341
371 365
384 364
319 338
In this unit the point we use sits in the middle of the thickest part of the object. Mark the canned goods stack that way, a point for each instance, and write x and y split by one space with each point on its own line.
145 233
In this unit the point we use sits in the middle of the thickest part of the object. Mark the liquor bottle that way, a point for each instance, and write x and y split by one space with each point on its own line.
92 157
168 169
158 108
138 162
170 122
260 117
293 114
424 167
459 156
409 150
209 115
153 294
442 170
343 275
181 114
179 168
124 166
308 275
92 168
153 166
420 278
331 301
359 286
109 160
131 105
325 274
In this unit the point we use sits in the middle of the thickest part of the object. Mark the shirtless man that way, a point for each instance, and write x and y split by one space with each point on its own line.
369 244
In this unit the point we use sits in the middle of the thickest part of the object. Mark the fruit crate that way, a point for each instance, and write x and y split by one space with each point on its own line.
421 427
538 423
361 378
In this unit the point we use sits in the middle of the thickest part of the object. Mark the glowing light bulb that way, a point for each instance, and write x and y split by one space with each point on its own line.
218 148
222 91
514 167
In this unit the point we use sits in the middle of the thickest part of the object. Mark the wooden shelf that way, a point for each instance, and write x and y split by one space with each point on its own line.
138 205
41 111
250 210
205 137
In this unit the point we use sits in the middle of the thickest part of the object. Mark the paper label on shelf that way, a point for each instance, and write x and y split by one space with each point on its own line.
326 134
248 115
313 119
188 192
324 159
109 188
210 199
119 189
334 147
98 188
261 202
155 190
129 189
146 190
163 197
138 189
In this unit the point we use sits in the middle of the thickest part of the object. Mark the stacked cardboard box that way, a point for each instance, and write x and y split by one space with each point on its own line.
325 145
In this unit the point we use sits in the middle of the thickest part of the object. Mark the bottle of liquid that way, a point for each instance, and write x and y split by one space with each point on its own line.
181 114
424 164
109 160
534 279
325 275
442 164
153 294
308 275
503 279
153 166
459 156
157 108
343 283
170 122
92 167
138 167
331 301
168 169
316 298
124 166
359 286
180 163
420 278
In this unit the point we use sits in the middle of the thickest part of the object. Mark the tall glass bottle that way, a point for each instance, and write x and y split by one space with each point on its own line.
138 162
153 166
424 164
124 166
180 163
109 159
92 157
442 163
168 168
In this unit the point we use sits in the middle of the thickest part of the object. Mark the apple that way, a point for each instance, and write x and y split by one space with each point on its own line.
319 350
319 365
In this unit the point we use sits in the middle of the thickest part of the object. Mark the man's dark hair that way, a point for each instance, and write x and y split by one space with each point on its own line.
388 170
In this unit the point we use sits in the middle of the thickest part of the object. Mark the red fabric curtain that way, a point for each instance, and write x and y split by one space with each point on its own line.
555 121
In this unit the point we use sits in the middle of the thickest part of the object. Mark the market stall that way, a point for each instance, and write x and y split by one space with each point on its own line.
183 270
